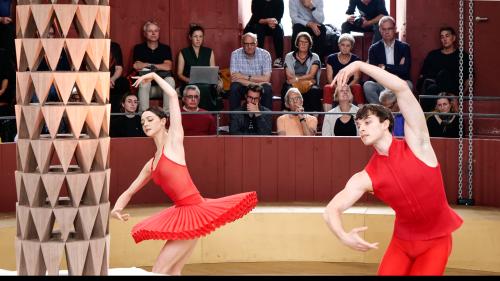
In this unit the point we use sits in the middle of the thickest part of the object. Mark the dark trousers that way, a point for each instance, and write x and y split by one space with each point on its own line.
443 82
318 41
238 93
264 30
347 27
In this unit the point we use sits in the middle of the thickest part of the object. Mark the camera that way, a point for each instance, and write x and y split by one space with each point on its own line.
358 21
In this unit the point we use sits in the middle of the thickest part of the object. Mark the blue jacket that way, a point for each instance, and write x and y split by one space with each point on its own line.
376 56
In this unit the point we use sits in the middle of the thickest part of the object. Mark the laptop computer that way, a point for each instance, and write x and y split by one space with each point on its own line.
204 75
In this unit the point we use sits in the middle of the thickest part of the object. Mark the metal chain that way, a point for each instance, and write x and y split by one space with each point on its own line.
461 98
471 93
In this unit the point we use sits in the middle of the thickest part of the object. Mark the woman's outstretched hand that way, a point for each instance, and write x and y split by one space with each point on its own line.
346 73
117 214
146 78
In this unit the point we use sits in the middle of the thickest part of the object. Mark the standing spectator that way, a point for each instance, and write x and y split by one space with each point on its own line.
128 125
307 15
335 63
195 124
370 12
444 126
197 55
341 125
153 56
250 65
388 100
252 123
389 54
266 20
296 124
440 72
302 69
118 84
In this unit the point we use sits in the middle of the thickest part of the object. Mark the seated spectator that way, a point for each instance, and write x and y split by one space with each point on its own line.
296 124
128 125
197 55
250 65
370 12
335 63
337 124
440 71
444 126
302 69
389 54
195 124
118 84
266 20
153 56
251 123
389 100
308 16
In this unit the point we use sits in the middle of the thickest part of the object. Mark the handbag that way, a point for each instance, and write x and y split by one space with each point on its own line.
303 86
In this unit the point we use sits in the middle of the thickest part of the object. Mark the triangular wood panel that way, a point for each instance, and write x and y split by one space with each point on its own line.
65 15
20 260
96 186
86 82
95 51
24 159
24 84
103 153
22 61
53 184
65 217
33 185
76 254
32 48
85 153
53 116
76 49
65 83
86 15
102 19
43 219
22 197
42 82
24 221
105 125
42 15
94 264
65 150
76 187
105 192
103 219
105 56
86 220
22 128
102 87
33 117
43 150
52 255
34 259
95 118
105 262
53 48
76 117
23 16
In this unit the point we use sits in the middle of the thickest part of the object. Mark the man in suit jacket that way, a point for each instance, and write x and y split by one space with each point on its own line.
389 54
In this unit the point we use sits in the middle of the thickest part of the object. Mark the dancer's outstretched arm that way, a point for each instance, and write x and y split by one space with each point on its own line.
416 132
141 180
357 185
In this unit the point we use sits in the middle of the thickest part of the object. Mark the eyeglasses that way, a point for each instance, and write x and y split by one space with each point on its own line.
253 98
303 42
295 99
192 97
249 44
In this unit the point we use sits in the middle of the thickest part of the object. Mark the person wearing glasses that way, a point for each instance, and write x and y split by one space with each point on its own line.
253 123
389 54
388 100
195 124
128 125
296 124
250 65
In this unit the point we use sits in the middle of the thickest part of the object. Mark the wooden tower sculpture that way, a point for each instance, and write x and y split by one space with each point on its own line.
63 116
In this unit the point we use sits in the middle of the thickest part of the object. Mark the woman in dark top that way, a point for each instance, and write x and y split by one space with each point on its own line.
441 125
335 63
128 125
197 55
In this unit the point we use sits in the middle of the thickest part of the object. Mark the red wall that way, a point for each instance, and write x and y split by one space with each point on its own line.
280 169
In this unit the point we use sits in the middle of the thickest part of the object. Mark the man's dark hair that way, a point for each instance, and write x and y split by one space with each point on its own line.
378 110
158 112
448 28
255 88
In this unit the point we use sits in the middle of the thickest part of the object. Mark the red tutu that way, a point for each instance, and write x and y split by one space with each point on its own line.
193 221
